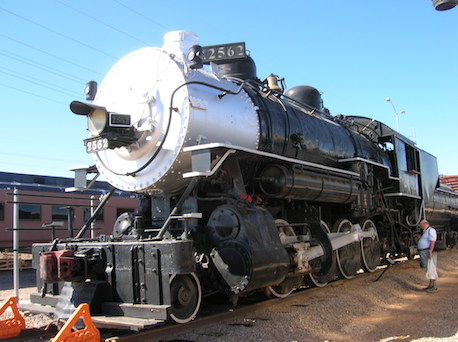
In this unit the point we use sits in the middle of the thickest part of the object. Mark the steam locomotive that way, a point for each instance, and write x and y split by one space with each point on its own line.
243 187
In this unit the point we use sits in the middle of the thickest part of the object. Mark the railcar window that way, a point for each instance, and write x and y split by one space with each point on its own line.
59 213
2 212
120 211
412 157
29 212
387 146
386 143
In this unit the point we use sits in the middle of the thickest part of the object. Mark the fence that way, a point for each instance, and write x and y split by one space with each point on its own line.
52 227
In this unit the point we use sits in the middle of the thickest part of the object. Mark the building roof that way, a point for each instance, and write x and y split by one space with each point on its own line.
451 181
29 182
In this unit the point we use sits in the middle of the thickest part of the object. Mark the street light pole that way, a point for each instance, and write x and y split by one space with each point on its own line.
395 112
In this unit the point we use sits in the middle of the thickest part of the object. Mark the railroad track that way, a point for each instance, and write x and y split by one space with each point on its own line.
170 330
306 296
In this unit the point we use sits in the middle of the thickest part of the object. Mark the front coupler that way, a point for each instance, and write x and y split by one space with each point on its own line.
129 278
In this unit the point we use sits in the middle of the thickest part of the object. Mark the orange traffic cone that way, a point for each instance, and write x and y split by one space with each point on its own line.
11 327
89 334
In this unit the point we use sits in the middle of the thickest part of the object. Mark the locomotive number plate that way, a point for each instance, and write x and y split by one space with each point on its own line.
96 145
223 52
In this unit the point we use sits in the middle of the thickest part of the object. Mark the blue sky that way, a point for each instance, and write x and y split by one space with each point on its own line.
356 53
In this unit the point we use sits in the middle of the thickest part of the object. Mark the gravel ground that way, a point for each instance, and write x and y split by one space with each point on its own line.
26 287
395 308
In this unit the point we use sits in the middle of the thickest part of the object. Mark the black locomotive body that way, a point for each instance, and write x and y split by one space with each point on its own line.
241 188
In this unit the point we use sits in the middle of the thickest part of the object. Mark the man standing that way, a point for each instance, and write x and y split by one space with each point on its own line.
428 258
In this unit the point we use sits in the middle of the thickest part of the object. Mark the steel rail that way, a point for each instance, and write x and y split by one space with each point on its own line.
170 331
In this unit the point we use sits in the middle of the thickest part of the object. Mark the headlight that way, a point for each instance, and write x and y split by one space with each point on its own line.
97 121
97 116
108 130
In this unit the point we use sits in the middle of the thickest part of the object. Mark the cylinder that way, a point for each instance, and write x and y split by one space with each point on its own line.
280 181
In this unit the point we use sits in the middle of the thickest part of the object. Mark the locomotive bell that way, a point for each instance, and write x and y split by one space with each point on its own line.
272 83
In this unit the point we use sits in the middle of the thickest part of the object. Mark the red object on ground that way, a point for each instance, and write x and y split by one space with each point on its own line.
11 327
